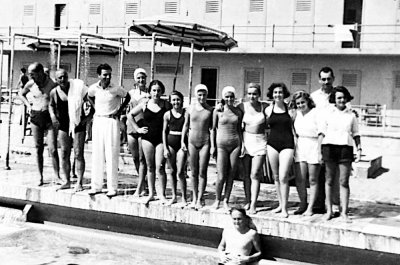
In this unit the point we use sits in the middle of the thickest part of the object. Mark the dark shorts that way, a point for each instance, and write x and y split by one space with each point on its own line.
41 119
337 153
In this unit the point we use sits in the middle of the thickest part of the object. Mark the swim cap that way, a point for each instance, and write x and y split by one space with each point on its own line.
228 89
139 71
200 87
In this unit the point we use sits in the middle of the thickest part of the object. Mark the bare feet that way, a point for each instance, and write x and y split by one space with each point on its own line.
64 186
39 183
172 201
309 212
78 188
215 205
58 181
192 205
247 206
148 200
277 210
226 206
300 210
345 218
199 205
328 216
284 214
163 200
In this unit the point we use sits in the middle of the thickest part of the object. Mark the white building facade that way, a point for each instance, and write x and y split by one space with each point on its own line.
279 41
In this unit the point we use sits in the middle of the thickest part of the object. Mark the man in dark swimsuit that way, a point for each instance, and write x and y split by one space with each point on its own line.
40 87
67 114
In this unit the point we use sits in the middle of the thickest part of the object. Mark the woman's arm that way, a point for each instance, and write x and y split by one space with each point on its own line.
52 109
165 134
185 129
134 112
214 133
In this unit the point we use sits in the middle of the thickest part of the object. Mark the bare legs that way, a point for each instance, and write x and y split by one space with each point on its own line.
253 170
135 146
175 166
154 160
199 159
280 165
344 175
79 144
227 164
38 136
313 171
65 144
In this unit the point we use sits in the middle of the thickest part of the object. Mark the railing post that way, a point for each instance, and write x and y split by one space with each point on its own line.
313 35
384 117
97 29
37 31
273 35
233 30
9 34
129 34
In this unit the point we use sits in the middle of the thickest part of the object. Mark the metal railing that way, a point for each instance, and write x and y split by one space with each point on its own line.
270 36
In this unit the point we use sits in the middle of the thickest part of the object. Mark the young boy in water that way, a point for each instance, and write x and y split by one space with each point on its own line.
238 241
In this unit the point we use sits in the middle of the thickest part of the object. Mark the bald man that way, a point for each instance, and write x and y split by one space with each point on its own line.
40 87
68 117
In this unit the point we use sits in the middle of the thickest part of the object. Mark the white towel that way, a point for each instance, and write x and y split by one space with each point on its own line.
76 94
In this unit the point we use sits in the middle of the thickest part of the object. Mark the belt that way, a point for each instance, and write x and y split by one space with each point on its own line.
111 116
175 133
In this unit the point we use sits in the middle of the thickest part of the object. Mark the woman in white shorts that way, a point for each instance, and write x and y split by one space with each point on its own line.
254 147
308 151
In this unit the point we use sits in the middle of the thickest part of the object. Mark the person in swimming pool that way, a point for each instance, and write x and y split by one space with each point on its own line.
173 152
151 135
239 240
198 122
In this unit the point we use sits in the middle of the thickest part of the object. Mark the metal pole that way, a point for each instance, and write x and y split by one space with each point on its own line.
58 55
191 71
153 51
273 35
10 84
78 58
121 54
177 66
1 75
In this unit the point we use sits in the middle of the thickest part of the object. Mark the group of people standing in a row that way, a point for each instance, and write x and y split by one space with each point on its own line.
162 135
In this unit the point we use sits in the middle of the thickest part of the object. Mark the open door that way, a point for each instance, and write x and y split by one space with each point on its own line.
209 77
353 15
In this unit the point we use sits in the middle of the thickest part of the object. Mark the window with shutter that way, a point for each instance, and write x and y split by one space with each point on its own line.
300 80
94 9
303 5
397 80
256 6
128 71
28 10
168 69
171 7
131 8
349 80
212 6
253 75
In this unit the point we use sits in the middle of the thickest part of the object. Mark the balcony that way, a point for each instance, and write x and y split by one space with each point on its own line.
291 39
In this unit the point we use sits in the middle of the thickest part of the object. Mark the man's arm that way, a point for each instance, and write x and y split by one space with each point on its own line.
124 104
25 90
52 109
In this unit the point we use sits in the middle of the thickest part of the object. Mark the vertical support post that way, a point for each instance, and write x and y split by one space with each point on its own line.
273 35
384 118
313 35
58 55
233 30
78 56
1 73
9 85
129 34
153 51
191 71
121 62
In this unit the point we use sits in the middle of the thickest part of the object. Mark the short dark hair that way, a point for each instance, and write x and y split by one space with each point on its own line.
240 210
38 67
159 83
256 86
271 88
302 94
326 69
103 66
176 93
341 89
23 70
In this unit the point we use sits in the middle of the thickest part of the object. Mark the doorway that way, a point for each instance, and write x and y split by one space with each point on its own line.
60 16
209 77
352 14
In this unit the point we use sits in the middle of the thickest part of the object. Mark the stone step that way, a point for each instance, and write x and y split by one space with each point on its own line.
368 166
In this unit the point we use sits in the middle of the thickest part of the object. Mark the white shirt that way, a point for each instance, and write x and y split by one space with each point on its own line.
307 125
339 127
320 98
108 100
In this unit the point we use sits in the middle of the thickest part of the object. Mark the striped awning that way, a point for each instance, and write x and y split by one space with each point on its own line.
173 28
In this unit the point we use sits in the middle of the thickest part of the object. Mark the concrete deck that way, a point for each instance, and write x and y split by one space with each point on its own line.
375 226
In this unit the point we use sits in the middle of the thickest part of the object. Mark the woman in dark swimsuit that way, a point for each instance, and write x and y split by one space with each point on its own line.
175 156
198 122
280 146
151 134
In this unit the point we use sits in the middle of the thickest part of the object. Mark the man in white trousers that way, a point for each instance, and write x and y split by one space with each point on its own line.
106 99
